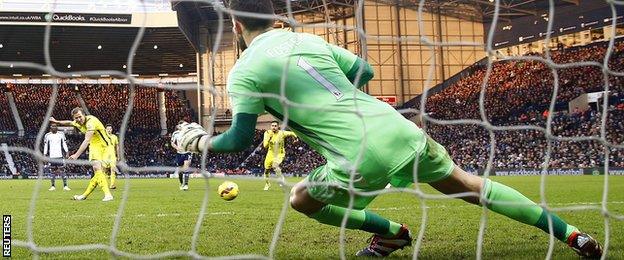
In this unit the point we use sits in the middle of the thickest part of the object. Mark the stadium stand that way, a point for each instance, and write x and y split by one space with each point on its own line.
469 145
32 104
144 117
6 117
516 86
519 93
178 108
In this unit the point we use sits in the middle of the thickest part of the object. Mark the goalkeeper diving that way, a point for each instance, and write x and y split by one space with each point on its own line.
366 142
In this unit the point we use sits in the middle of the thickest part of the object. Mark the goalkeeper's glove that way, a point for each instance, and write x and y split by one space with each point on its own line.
190 134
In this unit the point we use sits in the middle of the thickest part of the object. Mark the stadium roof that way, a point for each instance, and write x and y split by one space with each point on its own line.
192 14
478 10
483 10
76 48
203 11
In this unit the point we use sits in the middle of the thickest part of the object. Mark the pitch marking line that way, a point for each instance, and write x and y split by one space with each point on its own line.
465 206
159 214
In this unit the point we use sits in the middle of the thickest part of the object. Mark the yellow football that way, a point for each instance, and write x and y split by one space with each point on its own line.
228 190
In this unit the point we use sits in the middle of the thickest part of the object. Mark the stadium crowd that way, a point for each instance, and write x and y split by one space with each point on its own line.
144 117
469 144
177 109
518 93
515 86
6 116
145 146
109 102
155 150
32 103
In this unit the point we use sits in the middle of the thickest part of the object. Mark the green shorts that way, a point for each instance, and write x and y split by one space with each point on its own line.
330 185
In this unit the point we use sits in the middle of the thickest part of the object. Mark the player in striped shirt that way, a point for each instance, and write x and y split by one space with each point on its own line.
55 147
183 160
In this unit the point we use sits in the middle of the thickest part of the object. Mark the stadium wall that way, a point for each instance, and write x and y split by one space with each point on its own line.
401 67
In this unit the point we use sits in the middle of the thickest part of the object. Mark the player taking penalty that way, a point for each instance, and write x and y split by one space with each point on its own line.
273 141
100 149
385 145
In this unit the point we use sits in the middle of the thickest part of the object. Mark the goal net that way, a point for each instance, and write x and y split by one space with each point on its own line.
478 119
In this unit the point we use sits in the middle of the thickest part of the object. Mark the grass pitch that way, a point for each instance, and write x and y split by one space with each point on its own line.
158 218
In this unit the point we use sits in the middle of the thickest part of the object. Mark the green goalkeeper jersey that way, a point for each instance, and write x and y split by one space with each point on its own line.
322 106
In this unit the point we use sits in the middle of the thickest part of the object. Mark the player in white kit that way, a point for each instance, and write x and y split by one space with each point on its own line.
182 160
55 147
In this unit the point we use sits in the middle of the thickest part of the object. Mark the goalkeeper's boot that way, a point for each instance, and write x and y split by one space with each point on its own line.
585 245
79 197
381 246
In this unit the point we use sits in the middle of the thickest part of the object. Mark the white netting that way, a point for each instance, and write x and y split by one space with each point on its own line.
484 122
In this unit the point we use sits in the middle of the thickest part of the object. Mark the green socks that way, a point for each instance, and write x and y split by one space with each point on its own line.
357 219
526 211
528 214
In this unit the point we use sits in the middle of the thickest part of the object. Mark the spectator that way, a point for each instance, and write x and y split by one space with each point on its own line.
517 93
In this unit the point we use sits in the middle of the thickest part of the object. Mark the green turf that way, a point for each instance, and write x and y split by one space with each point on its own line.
159 218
